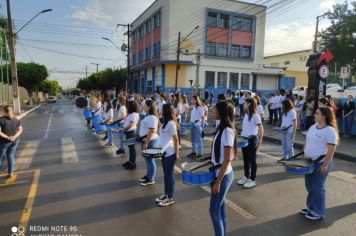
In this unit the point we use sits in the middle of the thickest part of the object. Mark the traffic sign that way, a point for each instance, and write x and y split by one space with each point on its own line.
344 72
324 71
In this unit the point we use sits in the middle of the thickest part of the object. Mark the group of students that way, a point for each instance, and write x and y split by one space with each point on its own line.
160 125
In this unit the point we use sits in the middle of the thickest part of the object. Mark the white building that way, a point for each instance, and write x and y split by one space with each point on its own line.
230 39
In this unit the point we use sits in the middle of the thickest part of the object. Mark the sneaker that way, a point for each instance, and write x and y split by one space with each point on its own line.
242 181
108 145
126 164
94 133
198 157
147 182
310 216
143 179
104 139
166 202
120 151
130 166
9 176
161 198
282 160
192 155
250 183
305 211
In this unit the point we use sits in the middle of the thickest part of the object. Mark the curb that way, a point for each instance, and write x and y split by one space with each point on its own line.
337 155
27 112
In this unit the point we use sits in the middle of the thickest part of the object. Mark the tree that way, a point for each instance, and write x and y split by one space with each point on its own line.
50 86
31 75
340 37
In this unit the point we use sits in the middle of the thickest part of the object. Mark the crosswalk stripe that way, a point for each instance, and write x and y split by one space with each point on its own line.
69 153
25 158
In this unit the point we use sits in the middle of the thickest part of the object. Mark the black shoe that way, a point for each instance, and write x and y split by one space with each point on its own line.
130 166
143 179
192 155
282 160
105 138
120 151
198 157
147 182
126 164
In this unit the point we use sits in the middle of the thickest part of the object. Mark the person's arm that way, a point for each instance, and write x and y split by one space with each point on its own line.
329 156
176 146
4 135
260 136
129 126
351 111
148 138
223 168
294 127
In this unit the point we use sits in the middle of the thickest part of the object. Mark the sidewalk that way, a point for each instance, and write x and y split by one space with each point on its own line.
345 150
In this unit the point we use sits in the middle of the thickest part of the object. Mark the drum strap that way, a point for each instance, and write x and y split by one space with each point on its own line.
319 159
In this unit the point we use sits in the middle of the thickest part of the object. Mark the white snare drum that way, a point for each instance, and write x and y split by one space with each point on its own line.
153 153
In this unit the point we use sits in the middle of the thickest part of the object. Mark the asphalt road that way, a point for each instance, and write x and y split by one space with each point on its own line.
67 183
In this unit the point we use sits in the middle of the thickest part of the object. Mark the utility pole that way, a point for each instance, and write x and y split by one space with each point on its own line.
97 66
86 71
198 56
128 33
10 35
177 62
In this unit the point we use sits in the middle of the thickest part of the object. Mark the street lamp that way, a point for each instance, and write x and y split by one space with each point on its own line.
317 30
111 42
11 44
178 53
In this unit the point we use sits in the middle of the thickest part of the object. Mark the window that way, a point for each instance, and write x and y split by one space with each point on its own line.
234 80
157 20
211 50
246 24
222 49
141 31
235 51
209 79
245 81
236 23
222 79
134 58
156 49
148 26
246 52
148 53
224 21
286 62
134 37
212 19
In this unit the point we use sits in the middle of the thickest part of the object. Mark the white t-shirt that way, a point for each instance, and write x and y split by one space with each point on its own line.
227 140
280 99
260 110
179 110
196 115
121 113
110 114
166 135
133 117
287 119
242 100
299 105
142 106
206 111
103 108
149 122
317 141
160 108
97 109
250 127
184 109
274 102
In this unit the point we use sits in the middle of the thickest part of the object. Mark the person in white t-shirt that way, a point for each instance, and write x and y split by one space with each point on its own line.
288 129
298 104
118 123
260 110
184 112
223 152
273 102
162 101
149 128
279 105
197 121
206 112
130 127
143 102
320 146
169 142
96 109
251 128
178 106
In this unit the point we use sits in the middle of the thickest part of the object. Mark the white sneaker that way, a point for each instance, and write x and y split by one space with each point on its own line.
242 181
249 184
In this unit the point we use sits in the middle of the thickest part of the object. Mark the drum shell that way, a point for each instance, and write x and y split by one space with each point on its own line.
81 102
100 128
158 155
97 119
242 144
300 170
196 179
87 114
186 125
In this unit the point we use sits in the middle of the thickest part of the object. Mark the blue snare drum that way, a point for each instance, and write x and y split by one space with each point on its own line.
87 114
186 125
100 128
96 120
300 166
197 173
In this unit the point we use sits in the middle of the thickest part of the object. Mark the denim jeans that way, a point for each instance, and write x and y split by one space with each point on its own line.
151 164
9 150
279 111
168 172
287 143
315 185
348 124
274 115
217 205
132 148
242 111
196 139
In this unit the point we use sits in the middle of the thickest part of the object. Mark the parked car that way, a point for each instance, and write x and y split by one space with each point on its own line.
52 99
245 91
300 90
333 87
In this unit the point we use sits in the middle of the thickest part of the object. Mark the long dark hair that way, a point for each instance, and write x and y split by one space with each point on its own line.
133 106
152 108
226 114
325 101
330 119
251 108
287 106
109 106
167 114
197 98
176 100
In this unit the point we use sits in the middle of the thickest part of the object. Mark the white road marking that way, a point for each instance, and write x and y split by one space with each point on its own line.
69 153
49 123
61 111
25 157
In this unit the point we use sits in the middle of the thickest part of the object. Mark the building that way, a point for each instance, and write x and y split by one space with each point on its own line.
294 67
225 52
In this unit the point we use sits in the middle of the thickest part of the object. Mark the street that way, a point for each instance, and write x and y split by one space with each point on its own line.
68 183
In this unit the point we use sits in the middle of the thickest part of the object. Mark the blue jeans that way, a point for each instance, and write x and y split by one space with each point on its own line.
196 139
217 205
9 150
315 185
242 111
348 124
168 172
274 115
287 144
121 137
151 164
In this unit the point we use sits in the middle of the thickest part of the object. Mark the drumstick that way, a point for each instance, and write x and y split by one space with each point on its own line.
198 165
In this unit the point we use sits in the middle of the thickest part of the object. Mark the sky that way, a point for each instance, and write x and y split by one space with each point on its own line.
69 38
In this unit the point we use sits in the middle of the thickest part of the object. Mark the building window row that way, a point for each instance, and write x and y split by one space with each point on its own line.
222 80
146 54
229 21
147 27
222 50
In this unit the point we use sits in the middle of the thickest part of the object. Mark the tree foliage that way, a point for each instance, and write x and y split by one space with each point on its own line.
31 75
50 86
340 37
104 80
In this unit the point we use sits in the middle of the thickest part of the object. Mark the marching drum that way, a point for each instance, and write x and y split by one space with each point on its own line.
186 125
81 102
87 114
242 143
197 173
100 128
97 119
280 129
153 153
300 166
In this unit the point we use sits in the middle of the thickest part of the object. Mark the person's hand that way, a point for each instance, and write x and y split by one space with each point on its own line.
323 168
12 138
215 188
145 145
177 157
258 147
